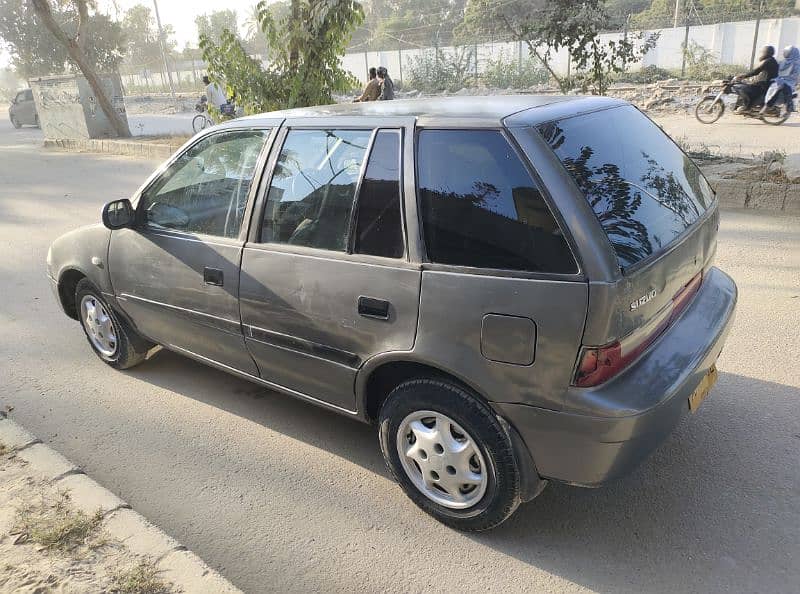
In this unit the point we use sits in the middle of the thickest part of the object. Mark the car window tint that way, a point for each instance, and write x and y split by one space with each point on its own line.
205 190
313 187
644 190
28 95
379 229
480 206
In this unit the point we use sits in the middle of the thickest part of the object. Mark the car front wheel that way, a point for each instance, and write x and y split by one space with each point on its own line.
450 454
110 338
15 122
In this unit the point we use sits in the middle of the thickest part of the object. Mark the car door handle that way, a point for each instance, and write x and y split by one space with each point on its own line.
213 276
369 307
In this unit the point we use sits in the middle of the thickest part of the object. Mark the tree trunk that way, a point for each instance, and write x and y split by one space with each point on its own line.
77 55
294 51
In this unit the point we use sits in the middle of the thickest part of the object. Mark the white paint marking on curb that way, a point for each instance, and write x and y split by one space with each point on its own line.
188 572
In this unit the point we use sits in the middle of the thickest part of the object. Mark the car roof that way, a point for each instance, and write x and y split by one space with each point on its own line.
469 111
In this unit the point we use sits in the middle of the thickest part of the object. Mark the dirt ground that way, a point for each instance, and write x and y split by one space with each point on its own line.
47 546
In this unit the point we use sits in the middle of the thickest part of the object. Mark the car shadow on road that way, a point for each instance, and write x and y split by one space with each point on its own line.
716 507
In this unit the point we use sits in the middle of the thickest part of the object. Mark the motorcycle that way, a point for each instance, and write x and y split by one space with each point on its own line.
711 107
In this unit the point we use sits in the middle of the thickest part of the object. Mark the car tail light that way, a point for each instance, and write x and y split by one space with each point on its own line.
597 365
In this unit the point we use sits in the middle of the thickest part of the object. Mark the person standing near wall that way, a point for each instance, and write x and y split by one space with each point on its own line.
373 89
387 86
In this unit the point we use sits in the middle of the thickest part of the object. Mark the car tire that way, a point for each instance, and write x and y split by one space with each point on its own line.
15 123
111 338
452 412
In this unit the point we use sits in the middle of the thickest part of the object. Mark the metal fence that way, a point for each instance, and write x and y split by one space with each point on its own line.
732 43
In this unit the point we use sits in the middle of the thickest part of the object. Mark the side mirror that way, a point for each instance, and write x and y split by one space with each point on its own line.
118 214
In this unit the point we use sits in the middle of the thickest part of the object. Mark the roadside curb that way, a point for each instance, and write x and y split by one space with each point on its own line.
127 148
758 195
188 572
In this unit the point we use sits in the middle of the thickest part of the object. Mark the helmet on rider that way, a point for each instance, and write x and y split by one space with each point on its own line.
788 50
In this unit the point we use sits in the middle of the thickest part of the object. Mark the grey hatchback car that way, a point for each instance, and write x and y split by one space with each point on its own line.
513 289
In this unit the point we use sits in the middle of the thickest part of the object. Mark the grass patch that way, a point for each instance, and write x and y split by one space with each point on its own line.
140 579
56 525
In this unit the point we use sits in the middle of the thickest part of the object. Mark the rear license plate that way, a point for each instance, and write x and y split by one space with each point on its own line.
703 389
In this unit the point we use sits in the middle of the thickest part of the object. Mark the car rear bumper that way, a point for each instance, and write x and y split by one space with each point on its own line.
633 413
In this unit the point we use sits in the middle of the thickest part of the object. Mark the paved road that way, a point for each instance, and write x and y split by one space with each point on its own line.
733 135
280 496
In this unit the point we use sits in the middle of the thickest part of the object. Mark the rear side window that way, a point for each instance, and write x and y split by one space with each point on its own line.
313 188
644 190
379 230
481 208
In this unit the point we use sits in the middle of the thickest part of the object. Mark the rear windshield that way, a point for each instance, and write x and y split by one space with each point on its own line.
644 190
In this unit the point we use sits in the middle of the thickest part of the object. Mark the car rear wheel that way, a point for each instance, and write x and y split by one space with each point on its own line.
15 122
450 454
109 336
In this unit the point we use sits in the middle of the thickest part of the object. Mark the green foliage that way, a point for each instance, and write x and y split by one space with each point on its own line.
35 52
435 70
212 25
142 35
647 75
547 27
304 47
503 73
661 13
410 23
701 64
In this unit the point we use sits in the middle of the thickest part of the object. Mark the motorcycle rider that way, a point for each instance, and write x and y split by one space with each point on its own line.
786 81
752 94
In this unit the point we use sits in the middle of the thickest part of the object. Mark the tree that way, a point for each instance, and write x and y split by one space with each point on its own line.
547 27
35 52
79 46
212 25
304 45
661 13
140 28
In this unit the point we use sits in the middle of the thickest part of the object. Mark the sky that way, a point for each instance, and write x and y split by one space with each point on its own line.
180 13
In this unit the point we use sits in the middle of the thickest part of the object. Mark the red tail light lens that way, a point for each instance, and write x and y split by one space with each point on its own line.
597 365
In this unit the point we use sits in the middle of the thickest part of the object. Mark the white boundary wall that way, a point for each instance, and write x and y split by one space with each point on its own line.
730 43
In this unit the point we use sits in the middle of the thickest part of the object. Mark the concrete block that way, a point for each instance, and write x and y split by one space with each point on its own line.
731 193
139 535
766 195
187 571
45 462
13 436
88 496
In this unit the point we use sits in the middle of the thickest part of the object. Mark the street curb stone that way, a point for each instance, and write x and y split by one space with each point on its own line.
47 463
13 436
127 148
188 572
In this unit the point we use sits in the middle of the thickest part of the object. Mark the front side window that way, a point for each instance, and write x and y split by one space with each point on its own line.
481 208
205 190
310 200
